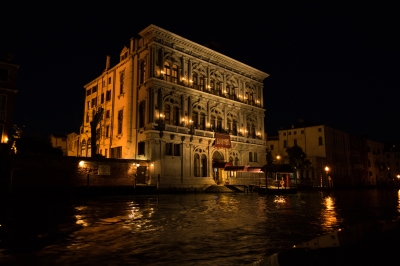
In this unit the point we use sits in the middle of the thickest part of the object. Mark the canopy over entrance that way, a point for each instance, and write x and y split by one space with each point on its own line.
277 168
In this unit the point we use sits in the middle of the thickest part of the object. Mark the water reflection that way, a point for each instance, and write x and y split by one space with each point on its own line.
329 215
202 229
398 206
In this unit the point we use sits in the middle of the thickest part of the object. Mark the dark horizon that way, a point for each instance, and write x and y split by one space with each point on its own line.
327 63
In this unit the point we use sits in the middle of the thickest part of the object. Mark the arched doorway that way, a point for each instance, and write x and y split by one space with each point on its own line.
218 166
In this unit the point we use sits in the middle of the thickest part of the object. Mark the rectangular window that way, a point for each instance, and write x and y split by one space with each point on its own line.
94 102
284 143
177 149
109 80
121 82
116 152
108 96
290 133
98 133
272 147
102 98
108 114
295 132
172 149
141 147
255 157
168 149
302 131
88 105
88 92
319 130
107 131
94 89
284 133
120 118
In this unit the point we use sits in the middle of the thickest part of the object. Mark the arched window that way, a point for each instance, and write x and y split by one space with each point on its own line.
142 71
201 83
250 156
167 114
212 86
219 124
195 119
212 123
255 157
167 72
202 121
196 165
195 81
218 88
203 165
175 116
229 126
174 73
253 131
83 147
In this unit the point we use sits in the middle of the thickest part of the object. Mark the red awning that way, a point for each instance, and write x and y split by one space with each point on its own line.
220 164
254 169
235 168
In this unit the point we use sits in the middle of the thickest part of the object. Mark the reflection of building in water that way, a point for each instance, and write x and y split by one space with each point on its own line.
398 207
329 214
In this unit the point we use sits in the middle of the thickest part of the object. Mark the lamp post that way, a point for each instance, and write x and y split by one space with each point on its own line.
278 158
398 179
327 177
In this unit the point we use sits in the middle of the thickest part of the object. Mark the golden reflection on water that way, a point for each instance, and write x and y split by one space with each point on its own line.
279 199
398 206
80 220
329 214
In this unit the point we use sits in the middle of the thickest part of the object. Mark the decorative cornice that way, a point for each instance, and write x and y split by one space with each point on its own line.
165 37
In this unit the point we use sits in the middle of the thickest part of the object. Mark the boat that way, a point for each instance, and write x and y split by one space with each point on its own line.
279 180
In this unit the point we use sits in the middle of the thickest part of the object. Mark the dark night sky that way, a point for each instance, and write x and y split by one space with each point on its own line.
331 63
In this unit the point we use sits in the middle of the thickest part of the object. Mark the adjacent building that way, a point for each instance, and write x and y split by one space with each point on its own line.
8 79
186 112
337 158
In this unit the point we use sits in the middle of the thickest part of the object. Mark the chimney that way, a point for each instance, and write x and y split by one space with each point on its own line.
108 62
132 45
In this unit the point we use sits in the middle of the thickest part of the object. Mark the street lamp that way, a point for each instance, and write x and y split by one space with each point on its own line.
327 178
278 157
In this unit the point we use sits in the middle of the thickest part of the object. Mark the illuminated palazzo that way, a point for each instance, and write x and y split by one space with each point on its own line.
168 102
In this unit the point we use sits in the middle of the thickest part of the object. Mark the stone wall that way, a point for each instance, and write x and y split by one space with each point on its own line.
30 173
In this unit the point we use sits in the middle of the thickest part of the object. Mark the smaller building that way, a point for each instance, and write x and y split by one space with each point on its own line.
73 144
59 142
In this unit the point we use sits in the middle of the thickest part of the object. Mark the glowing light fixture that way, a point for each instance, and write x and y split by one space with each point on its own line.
81 163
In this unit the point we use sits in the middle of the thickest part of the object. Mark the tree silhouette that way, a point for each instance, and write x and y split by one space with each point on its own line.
298 159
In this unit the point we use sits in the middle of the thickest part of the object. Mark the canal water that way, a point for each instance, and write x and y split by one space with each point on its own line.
189 229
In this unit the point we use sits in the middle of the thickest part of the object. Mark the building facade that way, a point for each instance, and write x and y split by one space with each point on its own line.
181 109
351 160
